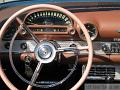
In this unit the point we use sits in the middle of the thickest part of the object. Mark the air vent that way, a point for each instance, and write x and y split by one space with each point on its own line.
101 72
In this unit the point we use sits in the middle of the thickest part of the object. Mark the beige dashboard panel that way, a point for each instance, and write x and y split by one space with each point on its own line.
107 22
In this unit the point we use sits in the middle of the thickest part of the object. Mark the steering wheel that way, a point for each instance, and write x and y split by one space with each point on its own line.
45 51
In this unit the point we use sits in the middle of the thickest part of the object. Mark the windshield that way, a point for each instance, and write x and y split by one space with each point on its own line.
1 1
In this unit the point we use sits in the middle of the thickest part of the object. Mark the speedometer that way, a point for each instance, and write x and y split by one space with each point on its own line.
48 18
48 21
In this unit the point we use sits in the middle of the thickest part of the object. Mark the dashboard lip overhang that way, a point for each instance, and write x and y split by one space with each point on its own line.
74 5
98 8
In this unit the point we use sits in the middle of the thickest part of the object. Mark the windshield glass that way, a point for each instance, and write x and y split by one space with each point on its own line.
1 1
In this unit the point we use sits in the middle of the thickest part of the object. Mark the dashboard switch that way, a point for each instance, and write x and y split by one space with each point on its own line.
115 47
105 48
23 46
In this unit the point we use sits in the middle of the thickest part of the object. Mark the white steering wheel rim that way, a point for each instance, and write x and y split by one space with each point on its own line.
71 15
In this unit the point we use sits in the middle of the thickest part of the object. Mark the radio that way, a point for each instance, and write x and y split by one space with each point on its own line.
103 72
111 47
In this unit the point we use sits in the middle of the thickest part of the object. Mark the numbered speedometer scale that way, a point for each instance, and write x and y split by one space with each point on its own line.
48 21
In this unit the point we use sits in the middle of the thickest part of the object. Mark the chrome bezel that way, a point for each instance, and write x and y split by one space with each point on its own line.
51 57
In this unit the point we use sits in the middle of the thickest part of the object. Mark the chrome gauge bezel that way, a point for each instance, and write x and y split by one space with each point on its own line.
65 21
52 13
95 33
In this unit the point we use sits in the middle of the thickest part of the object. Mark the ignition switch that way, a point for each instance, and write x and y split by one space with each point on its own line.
23 46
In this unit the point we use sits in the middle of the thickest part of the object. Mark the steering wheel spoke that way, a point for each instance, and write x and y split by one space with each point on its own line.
36 72
72 49
24 26
84 48
35 75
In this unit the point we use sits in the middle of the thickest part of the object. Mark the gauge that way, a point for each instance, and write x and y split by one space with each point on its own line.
92 30
48 18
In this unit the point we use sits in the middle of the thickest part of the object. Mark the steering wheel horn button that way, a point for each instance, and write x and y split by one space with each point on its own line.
45 52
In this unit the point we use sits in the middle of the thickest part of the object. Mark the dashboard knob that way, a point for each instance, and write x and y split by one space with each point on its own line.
23 46
109 78
115 48
7 45
105 48
72 31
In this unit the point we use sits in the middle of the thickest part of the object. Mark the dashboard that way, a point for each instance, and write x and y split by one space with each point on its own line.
102 24
45 22
53 25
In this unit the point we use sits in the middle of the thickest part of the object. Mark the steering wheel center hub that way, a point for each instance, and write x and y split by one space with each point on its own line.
45 52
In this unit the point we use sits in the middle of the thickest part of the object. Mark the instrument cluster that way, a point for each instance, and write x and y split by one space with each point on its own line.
50 22
47 21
